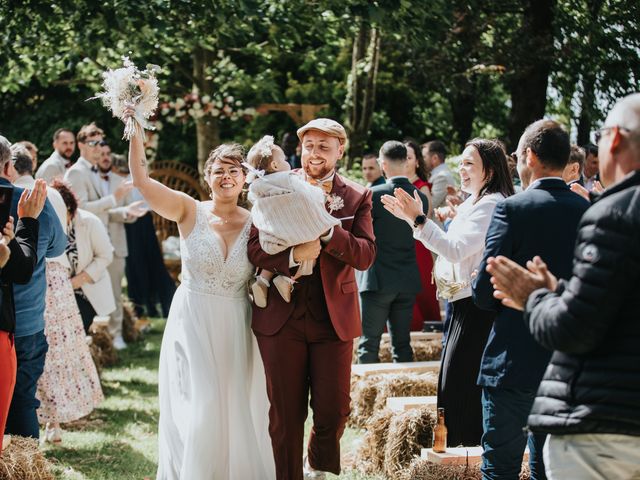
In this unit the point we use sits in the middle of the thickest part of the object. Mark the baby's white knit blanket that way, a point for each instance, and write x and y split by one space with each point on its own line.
288 211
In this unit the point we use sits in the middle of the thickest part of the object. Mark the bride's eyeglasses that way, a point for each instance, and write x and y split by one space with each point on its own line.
219 172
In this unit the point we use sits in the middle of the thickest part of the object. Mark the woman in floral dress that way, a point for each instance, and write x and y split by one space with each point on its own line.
69 387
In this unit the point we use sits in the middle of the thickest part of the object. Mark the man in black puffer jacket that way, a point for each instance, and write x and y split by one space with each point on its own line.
589 399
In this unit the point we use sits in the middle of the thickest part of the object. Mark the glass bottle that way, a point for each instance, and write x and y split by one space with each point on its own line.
440 434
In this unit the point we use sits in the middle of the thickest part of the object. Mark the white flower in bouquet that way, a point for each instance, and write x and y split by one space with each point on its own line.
130 87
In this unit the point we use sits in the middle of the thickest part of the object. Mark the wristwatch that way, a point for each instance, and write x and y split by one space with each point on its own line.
419 221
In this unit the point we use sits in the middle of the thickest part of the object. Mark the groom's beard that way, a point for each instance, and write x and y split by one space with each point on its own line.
324 173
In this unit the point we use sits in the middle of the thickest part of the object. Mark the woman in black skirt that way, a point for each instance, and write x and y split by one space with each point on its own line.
484 175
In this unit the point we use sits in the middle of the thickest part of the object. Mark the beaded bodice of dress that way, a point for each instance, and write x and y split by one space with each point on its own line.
204 269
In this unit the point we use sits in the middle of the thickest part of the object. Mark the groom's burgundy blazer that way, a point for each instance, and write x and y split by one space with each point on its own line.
351 246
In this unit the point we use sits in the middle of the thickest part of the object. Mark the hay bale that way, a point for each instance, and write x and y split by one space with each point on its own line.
369 458
23 460
423 350
392 441
405 385
408 433
363 398
422 470
102 351
369 394
130 332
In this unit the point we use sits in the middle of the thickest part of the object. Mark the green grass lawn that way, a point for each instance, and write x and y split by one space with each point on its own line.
119 439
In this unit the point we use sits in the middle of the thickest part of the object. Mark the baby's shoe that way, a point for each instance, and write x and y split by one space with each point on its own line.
284 286
259 291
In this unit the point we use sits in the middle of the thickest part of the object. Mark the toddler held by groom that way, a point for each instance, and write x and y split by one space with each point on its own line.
306 345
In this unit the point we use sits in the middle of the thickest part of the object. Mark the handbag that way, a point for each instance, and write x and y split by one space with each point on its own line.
444 276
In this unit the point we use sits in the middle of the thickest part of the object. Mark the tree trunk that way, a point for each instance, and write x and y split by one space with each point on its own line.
534 54
586 109
365 60
207 128
465 34
588 80
463 109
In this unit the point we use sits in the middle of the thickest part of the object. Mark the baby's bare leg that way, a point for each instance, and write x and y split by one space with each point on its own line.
266 275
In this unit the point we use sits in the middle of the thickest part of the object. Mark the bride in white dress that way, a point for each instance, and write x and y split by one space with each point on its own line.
213 401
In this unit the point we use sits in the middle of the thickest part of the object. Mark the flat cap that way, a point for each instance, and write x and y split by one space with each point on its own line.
325 125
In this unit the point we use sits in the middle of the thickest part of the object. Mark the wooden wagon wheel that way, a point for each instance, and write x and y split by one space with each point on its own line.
181 177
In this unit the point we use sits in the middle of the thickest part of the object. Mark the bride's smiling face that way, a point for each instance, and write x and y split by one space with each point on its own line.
225 179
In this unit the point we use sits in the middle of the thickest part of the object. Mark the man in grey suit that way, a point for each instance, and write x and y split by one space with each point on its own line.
107 200
64 144
127 211
83 178
388 288
441 176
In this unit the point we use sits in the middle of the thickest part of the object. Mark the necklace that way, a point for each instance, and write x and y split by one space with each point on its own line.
215 218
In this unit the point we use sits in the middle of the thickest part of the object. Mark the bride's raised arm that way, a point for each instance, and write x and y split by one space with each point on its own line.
171 204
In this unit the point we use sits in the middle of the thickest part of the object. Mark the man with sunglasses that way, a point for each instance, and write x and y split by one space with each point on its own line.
105 196
83 178
588 399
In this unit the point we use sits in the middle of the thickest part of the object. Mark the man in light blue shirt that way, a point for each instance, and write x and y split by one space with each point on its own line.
30 341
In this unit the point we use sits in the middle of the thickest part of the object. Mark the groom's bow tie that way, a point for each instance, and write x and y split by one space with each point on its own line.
327 185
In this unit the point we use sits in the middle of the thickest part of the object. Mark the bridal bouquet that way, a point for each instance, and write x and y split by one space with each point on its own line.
130 87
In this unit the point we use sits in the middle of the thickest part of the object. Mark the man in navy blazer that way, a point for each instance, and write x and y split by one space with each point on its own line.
389 287
542 220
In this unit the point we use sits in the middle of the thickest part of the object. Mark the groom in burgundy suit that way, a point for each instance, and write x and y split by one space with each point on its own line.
306 345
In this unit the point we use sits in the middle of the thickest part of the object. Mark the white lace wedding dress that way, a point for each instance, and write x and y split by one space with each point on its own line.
213 401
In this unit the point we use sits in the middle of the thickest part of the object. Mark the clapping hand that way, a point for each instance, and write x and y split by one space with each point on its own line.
580 190
5 253
583 192
137 209
32 202
597 187
453 196
403 206
7 232
123 190
444 213
513 284
7 236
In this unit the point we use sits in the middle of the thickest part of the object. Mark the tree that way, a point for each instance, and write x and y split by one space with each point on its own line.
362 83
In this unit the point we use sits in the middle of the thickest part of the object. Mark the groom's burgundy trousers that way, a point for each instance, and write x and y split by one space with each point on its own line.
306 345
306 356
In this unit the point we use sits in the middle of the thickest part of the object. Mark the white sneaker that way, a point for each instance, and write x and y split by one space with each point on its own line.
119 343
309 472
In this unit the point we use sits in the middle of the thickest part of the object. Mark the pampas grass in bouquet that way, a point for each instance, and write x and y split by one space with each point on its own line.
130 87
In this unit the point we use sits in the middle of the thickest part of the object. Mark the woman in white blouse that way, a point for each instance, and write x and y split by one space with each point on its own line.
484 175
89 252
